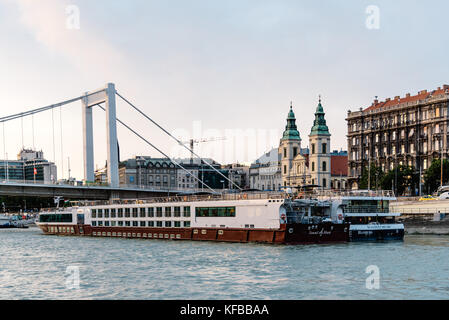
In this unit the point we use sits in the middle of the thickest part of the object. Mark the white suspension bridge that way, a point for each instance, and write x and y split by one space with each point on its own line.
105 99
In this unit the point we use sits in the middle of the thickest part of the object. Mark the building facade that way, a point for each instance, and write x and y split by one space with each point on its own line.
265 172
30 166
412 131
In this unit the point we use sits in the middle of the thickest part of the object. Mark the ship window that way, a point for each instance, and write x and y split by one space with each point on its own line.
55 218
168 211
215 212
177 224
142 224
94 211
106 223
158 212
106 213
113 223
100 223
186 211
177 211
151 212
159 224
168 224
113 213
100 213
120 212
127 223
134 212
151 223
142 212
120 223
187 224
135 223
94 223
127 212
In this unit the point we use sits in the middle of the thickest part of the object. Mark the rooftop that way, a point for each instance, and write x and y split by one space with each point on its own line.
422 95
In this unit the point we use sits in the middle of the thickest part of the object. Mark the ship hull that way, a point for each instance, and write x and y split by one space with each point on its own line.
377 235
287 234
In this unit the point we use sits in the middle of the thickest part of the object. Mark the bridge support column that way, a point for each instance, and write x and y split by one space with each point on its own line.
111 127
88 141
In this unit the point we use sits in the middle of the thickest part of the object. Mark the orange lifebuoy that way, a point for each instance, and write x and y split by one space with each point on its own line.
245 196
283 216
340 217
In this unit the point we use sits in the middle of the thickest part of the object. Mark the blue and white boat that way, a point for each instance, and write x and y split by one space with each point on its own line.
5 222
369 215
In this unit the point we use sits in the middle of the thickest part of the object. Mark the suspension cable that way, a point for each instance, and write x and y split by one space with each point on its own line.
38 110
178 141
161 152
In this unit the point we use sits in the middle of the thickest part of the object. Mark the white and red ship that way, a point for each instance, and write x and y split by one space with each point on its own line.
244 217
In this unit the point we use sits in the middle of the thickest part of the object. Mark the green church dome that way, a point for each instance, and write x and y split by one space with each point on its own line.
319 125
291 131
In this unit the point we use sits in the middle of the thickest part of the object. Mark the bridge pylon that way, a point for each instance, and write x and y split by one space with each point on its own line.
105 95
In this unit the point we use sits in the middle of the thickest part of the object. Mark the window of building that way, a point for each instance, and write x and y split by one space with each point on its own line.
313 166
324 183
285 169
313 148
324 166
285 152
324 148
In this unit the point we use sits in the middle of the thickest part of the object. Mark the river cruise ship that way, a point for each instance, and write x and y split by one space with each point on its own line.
267 217
368 213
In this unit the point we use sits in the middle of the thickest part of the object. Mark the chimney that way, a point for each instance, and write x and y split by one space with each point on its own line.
388 99
408 95
397 97
422 92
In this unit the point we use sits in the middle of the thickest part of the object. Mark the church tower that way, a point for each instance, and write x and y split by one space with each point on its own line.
319 154
289 148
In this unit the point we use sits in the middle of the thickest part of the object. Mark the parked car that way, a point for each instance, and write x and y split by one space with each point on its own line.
444 196
427 198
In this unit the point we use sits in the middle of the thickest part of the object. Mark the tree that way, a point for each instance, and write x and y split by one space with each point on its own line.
402 180
432 176
375 176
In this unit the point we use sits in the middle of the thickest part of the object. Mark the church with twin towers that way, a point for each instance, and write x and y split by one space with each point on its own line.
310 166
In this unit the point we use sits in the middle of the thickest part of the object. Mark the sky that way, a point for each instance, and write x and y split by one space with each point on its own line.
208 69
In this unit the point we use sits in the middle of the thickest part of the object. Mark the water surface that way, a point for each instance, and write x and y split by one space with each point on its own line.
33 266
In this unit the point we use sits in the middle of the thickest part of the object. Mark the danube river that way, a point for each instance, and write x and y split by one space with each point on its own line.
35 266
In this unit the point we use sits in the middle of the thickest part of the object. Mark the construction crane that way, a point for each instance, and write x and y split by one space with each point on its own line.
193 142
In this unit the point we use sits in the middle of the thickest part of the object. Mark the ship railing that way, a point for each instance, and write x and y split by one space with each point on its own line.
186 198
355 193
